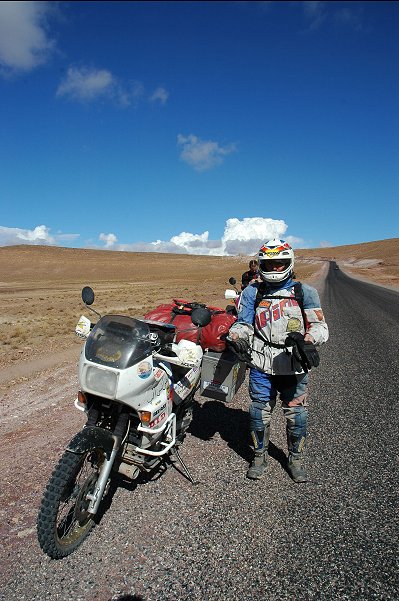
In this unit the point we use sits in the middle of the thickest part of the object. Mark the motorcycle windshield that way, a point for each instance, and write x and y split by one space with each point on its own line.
118 341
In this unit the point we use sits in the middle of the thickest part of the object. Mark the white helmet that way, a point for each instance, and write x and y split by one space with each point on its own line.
280 252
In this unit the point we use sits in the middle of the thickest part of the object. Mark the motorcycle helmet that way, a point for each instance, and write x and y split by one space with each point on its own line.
275 253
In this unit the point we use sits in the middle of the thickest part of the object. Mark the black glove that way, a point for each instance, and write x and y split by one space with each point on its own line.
296 358
304 353
241 349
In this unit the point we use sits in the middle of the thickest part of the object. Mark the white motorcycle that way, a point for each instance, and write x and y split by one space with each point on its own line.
137 388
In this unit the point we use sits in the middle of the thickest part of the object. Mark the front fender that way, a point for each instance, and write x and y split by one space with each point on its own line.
89 438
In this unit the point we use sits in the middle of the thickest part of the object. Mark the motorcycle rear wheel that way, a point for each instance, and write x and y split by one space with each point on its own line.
63 521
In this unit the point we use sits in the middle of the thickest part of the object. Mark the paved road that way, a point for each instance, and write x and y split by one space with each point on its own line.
334 538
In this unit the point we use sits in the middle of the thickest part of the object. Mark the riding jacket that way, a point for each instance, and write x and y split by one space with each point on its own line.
266 326
246 277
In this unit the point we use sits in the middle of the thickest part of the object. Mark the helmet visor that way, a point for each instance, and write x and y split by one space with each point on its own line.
274 264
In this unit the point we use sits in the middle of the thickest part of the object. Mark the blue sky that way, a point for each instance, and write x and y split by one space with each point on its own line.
200 127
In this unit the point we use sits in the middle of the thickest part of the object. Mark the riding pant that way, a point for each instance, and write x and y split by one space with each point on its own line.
263 389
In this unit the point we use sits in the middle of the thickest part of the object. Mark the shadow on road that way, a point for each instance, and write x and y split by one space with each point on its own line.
279 455
233 426
209 418
120 481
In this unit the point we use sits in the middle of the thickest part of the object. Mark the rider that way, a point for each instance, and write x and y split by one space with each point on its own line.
248 277
281 337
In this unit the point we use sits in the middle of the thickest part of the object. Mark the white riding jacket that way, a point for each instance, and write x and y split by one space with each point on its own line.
274 319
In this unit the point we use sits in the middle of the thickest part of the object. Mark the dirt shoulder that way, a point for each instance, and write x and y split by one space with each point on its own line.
31 360
371 276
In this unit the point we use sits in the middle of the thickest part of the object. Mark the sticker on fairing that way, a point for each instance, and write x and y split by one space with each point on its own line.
144 370
157 420
187 383
159 410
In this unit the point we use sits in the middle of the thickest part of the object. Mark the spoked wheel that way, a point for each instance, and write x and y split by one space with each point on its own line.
63 521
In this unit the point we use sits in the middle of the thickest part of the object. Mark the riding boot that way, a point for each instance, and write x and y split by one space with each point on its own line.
261 444
296 441
296 467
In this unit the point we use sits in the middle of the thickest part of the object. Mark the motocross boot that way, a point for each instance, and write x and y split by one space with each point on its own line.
261 444
296 467
296 441
296 456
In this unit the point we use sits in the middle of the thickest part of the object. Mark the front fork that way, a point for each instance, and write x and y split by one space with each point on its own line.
91 438
105 470
169 427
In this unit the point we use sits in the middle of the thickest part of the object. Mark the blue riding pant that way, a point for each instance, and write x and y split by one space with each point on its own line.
263 389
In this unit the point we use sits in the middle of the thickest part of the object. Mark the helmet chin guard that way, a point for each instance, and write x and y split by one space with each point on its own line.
281 253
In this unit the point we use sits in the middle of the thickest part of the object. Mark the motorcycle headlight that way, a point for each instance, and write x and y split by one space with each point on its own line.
101 381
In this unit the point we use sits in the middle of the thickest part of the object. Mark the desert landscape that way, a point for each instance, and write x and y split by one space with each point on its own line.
40 289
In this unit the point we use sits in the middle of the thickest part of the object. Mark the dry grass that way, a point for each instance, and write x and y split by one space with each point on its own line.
40 287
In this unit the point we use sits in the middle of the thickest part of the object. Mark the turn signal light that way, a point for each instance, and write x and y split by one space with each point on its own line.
145 417
82 398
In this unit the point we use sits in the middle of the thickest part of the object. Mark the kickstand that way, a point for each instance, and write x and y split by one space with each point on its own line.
184 466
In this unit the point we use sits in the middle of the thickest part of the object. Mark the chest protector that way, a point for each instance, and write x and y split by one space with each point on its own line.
298 297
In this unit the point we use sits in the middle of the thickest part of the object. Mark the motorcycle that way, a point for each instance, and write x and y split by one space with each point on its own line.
137 389
234 295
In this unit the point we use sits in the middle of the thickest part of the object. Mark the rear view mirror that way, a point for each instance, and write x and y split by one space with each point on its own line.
88 295
232 281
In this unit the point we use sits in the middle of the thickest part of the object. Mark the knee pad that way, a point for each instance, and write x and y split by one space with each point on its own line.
260 415
297 420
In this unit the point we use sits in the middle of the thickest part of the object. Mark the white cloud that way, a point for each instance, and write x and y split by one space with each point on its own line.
10 236
24 42
240 237
160 95
40 235
109 239
130 94
66 237
202 154
86 84
248 235
243 237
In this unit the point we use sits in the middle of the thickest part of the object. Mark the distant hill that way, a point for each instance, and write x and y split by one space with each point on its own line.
382 250
375 260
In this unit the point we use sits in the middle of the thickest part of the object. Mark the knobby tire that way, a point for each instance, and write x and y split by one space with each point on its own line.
59 535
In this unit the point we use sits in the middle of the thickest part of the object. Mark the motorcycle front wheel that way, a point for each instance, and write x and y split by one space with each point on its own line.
64 522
